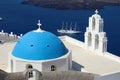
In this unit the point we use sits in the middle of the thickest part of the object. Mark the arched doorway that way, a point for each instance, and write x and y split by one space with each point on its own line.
96 41
29 66
53 68
89 39
37 74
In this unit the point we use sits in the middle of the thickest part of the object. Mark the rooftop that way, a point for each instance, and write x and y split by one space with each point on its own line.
89 61
51 75
82 59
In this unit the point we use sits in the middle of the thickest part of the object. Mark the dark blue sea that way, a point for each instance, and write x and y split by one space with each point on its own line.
20 19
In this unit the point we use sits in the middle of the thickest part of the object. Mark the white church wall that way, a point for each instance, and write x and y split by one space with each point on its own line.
60 65
9 63
21 65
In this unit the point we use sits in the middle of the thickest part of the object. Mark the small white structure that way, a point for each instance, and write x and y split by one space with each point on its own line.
40 50
95 37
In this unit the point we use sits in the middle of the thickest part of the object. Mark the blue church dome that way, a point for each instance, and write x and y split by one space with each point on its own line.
39 45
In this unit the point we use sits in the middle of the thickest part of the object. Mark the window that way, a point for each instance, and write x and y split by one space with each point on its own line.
29 67
53 68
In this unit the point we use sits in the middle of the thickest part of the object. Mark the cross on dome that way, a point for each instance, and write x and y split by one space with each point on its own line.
96 11
39 24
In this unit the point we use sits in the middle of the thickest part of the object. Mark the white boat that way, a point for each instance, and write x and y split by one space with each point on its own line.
0 18
68 31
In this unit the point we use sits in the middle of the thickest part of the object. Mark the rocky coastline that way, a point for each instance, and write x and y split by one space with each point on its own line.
73 4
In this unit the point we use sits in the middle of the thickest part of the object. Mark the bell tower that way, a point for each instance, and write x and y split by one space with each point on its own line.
95 37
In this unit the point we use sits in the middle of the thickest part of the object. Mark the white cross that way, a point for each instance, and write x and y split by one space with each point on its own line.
96 11
39 24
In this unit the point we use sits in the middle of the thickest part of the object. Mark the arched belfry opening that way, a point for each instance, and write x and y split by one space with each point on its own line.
93 23
53 68
96 41
89 39
29 66
104 46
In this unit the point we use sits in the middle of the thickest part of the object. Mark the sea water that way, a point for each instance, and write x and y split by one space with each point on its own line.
20 19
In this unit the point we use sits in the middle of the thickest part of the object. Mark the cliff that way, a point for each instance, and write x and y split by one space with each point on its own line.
72 4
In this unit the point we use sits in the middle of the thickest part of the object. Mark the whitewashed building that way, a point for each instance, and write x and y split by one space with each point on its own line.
40 50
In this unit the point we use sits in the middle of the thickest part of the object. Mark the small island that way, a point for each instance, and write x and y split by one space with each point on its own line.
73 4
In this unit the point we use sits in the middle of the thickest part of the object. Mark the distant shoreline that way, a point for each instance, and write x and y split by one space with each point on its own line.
73 4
